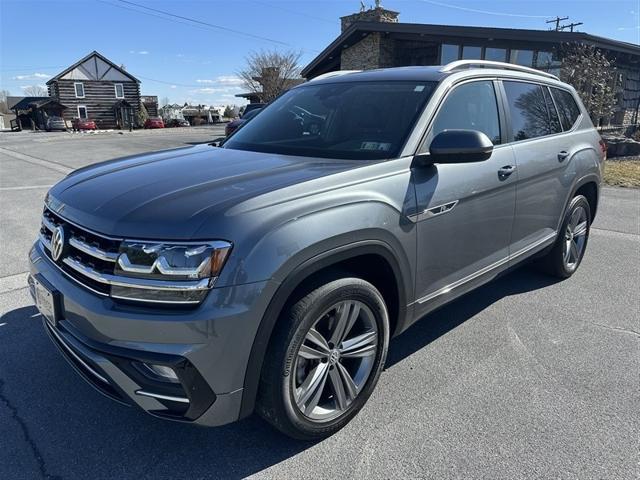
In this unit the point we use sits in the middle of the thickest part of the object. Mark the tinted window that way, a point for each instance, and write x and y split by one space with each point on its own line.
529 111
495 54
347 120
567 107
471 106
522 57
448 53
554 120
471 53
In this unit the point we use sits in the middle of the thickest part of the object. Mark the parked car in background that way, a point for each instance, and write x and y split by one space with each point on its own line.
156 122
251 107
233 125
83 124
56 123
177 122
269 273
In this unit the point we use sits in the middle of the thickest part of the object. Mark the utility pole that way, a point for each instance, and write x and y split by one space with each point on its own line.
557 21
570 25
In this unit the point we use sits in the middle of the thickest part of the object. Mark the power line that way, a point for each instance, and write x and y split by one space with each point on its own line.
207 24
271 5
485 12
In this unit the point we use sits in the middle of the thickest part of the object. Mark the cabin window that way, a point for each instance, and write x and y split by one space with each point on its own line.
119 90
82 112
79 90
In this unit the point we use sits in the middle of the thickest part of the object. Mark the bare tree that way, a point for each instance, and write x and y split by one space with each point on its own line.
268 73
4 107
595 78
35 91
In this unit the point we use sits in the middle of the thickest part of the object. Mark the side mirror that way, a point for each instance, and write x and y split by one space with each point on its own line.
460 146
217 142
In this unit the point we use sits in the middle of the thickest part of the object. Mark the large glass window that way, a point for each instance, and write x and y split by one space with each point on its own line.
567 107
449 53
347 120
471 106
529 110
495 54
471 53
522 57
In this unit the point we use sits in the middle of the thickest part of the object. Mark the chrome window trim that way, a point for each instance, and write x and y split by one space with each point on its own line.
448 288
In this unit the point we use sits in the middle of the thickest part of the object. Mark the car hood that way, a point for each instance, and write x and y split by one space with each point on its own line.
170 195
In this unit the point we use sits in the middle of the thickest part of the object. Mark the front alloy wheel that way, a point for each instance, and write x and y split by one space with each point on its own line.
324 359
335 360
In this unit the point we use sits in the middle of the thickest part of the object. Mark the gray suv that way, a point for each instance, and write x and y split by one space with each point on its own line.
269 272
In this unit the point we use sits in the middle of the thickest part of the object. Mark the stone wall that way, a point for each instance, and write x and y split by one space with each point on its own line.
377 14
375 50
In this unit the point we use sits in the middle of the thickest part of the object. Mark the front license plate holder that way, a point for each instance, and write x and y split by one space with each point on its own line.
47 301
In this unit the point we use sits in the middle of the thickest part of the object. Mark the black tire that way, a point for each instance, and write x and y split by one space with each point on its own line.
555 262
276 402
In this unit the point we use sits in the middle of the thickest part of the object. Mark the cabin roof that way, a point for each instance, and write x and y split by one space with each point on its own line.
94 67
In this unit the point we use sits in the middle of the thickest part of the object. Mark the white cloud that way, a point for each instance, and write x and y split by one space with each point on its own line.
139 52
31 76
230 80
204 81
174 86
209 90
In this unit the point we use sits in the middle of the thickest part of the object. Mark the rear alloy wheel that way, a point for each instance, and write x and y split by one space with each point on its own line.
566 254
325 359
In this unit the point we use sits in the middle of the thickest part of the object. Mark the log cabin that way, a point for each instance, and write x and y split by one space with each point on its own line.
97 89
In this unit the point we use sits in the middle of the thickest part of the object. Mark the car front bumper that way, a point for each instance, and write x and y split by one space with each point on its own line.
107 343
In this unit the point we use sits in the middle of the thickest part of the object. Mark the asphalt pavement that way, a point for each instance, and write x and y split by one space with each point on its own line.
526 377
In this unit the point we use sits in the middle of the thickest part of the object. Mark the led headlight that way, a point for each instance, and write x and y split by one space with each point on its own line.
166 272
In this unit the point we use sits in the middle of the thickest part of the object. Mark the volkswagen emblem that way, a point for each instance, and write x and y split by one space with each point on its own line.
57 243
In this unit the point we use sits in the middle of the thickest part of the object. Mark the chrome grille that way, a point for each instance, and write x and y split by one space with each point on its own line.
90 258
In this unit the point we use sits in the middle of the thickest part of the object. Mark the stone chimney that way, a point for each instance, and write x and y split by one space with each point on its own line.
373 14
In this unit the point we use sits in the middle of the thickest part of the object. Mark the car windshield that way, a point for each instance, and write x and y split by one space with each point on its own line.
347 120
249 115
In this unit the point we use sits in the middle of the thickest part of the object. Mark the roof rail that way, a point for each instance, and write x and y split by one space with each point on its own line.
335 73
460 64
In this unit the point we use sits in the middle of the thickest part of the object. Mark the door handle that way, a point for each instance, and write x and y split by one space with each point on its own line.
562 156
505 171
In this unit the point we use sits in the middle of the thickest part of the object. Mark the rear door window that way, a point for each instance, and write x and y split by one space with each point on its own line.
555 126
470 106
567 108
529 111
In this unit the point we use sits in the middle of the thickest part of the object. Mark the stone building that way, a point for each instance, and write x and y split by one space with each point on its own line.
375 38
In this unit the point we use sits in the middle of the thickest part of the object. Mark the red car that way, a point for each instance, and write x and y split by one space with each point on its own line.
83 124
154 123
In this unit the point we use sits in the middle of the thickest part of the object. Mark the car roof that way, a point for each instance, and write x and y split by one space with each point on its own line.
437 73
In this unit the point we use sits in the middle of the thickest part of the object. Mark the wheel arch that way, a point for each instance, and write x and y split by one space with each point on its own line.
333 260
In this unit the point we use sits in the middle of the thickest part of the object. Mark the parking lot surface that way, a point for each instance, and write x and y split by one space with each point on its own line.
526 377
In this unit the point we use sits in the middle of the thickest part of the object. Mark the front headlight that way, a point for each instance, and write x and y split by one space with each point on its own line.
167 272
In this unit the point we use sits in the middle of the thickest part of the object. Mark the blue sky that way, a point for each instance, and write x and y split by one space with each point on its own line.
188 62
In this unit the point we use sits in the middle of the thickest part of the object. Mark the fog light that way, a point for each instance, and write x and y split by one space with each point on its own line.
158 372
